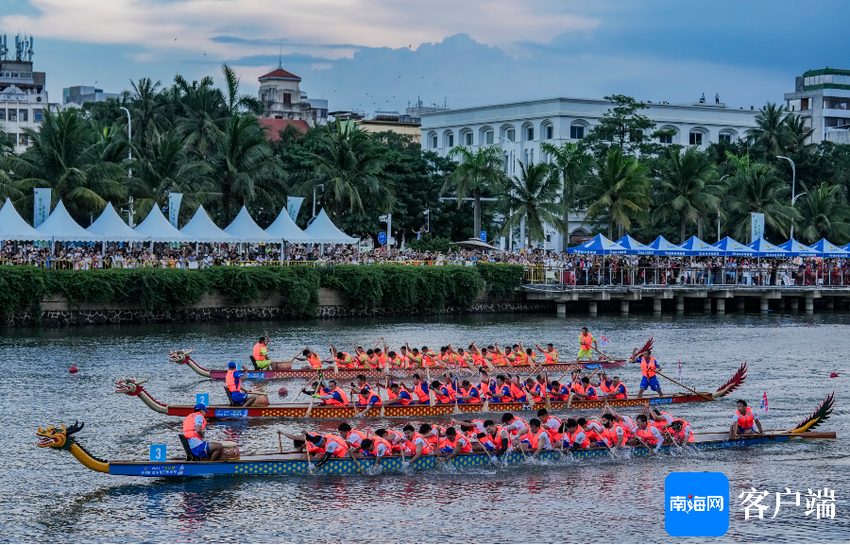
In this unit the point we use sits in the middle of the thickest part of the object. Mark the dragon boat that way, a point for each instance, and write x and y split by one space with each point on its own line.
133 387
183 357
295 463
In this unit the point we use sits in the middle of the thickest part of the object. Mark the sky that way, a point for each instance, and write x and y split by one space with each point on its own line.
386 54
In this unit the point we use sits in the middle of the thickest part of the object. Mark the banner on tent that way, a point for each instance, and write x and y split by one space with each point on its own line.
174 207
41 205
293 205
756 225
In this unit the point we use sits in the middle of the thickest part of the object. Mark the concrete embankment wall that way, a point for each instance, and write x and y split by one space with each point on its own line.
57 310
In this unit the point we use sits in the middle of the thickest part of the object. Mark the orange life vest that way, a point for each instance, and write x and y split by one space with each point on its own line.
554 434
551 357
189 425
746 420
611 433
648 368
497 438
364 400
516 391
572 437
359 436
585 340
532 438
577 387
620 395
315 361
680 435
257 355
516 431
591 433
341 450
334 401
346 362
376 441
411 445
420 393
465 445
659 425
438 393
233 384
647 435
404 401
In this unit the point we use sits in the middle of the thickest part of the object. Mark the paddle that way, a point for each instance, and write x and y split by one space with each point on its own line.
432 397
309 380
310 407
604 354
570 399
705 397
280 442
546 391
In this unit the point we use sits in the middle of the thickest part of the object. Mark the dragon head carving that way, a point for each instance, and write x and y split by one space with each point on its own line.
58 438
130 386
180 356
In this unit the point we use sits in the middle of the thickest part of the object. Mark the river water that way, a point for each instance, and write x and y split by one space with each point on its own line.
48 496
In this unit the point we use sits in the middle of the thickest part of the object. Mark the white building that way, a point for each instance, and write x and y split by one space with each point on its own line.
23 95
520 128
75 97
280 93
822 99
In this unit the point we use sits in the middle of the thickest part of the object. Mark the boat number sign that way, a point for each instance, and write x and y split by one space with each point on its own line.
202 398
661 401
256 375
231 413
157 453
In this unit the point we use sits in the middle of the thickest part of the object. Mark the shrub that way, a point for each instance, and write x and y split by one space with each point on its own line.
502 280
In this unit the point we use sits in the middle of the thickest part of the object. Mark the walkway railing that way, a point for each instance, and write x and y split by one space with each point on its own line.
109 263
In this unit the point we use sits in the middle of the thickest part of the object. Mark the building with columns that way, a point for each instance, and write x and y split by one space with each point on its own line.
280 93
519 128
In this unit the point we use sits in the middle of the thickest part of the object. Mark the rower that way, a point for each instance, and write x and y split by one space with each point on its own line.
513 424
477 426
534 438
575 436
649 435
398 395
550 354
343 359
442 392
415 445
455 443
586 341
362 383
551 424
334 445
605 384
498 437
616 433
586 391
680 431
302 445
594 431
367 397
648 367
534 389
193 430
353 438
420 390
469 393
660 419
394 438
517 392
332 395
744 422
617 390
375 447
488 386
503 391
261 354
312 358
395 360
558 392
238 394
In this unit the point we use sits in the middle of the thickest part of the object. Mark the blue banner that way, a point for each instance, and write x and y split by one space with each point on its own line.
174 208
41 205
696 504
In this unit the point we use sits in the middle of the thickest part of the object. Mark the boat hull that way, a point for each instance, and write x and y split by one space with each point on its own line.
348 374
283 465
299 410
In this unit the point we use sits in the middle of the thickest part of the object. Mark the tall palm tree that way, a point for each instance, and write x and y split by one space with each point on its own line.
532 196
570 164
199 113
234 102
759 190
146 109
476 172
770 131
688 189
824 214
68 154
619 193
796 134
349 166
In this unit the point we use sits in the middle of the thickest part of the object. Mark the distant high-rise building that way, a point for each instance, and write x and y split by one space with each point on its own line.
23 96
280 93
822 99
75 97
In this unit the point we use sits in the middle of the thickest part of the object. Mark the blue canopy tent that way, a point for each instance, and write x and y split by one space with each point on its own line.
598 245
764 248
731 247
825 248
634 247
665 247
795 249
695 246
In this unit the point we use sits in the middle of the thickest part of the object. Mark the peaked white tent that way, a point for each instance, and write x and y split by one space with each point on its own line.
323 231
157 229
61 227
111 228
284 228
13 226
202 229
244 229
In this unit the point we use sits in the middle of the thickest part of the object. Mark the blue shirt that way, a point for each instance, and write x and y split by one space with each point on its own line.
404 395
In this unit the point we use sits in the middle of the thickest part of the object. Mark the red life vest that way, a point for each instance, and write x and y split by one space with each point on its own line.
516 391
590 393
404 401
233 384
647 435
605 386
420 393
465 445
746 420
532 438
497 438
577 387
346 362
411 445
341 450
591 433
537 393
620 395
438 393
376 441
661 424
680 435
572 437
473 399
334 401
551 357
189 425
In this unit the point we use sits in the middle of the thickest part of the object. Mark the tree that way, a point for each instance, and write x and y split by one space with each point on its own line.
234 102
771 132
475 173
531 197
759 189
571 165
619 193
687 188
68 155
824 214
622 126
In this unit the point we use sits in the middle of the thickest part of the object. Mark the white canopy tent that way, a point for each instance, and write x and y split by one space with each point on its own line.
111 228
202 229
284 228
157 229
244 229
61 227
13 227
323 231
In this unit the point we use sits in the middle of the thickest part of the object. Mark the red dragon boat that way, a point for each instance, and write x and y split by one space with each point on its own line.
134 388
277 372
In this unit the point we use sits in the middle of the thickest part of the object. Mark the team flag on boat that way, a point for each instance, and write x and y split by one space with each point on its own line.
764 403
603 340
680 367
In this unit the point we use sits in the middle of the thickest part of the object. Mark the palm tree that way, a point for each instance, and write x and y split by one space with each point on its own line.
69 155
824 213
770 131
146 109
759 190
619 192
571 164
476 171
234 102
199 113
796 134
688 190
532 197
348 164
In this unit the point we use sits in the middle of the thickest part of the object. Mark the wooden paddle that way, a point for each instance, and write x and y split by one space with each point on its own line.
604 354
636 436
432 397
705 397
546 391
280 442
310 407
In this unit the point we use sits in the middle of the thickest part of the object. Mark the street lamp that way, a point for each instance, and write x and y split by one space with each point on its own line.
794 195
718 212
314 196
129 156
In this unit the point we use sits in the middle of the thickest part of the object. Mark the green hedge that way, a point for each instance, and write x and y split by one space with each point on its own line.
162 290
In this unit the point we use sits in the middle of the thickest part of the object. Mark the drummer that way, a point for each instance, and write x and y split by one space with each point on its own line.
261 354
